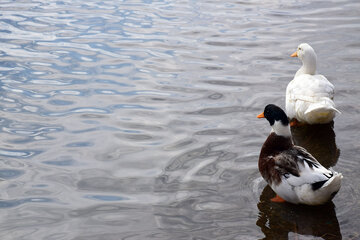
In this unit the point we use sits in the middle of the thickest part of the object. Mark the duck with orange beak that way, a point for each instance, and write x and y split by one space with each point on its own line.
309 96
293 173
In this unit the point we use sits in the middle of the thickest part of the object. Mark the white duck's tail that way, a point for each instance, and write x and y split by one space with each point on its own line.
321 112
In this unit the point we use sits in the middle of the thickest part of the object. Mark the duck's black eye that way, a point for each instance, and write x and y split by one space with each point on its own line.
300 48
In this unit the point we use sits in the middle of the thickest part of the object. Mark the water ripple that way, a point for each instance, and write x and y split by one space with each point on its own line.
106 198
10 173
18 153
139 117
17 202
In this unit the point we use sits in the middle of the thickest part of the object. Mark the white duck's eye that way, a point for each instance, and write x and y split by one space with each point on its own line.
300 48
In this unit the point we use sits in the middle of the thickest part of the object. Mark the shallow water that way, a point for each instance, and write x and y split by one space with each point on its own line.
137 119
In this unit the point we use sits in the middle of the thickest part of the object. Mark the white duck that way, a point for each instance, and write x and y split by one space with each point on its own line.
309 96
293 173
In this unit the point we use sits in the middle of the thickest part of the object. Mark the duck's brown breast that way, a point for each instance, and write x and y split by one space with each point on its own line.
272 147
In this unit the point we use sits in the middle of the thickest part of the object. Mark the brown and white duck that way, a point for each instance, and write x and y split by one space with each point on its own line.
293 173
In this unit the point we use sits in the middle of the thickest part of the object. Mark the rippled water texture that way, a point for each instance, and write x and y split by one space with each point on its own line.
137 119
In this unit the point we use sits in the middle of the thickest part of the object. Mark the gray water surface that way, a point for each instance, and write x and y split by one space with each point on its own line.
137 119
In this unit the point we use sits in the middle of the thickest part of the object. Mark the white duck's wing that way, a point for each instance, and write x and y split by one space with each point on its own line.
309 98
309 88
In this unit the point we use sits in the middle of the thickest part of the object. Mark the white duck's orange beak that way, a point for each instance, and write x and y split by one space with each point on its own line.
261 115
294 54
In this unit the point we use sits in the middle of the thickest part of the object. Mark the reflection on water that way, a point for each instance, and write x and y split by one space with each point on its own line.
207 194
319 140
137 119
288 221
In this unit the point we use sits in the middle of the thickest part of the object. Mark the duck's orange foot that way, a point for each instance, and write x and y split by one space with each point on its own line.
278 199
295 123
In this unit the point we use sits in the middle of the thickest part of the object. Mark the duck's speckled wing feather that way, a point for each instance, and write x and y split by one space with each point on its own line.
298 167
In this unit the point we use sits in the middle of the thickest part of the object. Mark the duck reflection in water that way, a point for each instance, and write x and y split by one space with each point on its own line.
277 220
319 140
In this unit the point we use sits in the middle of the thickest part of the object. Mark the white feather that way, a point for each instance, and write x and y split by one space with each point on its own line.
280 129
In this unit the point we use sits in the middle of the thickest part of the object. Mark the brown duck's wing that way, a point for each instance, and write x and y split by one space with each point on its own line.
304 156
287 162
299 167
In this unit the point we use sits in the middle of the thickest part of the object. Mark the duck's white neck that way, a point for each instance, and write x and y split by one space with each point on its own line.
309 64
280 129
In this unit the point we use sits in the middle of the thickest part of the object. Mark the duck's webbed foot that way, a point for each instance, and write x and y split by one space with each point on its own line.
278 199
295 123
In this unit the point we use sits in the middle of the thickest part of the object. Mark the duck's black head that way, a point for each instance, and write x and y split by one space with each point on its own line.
274 113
